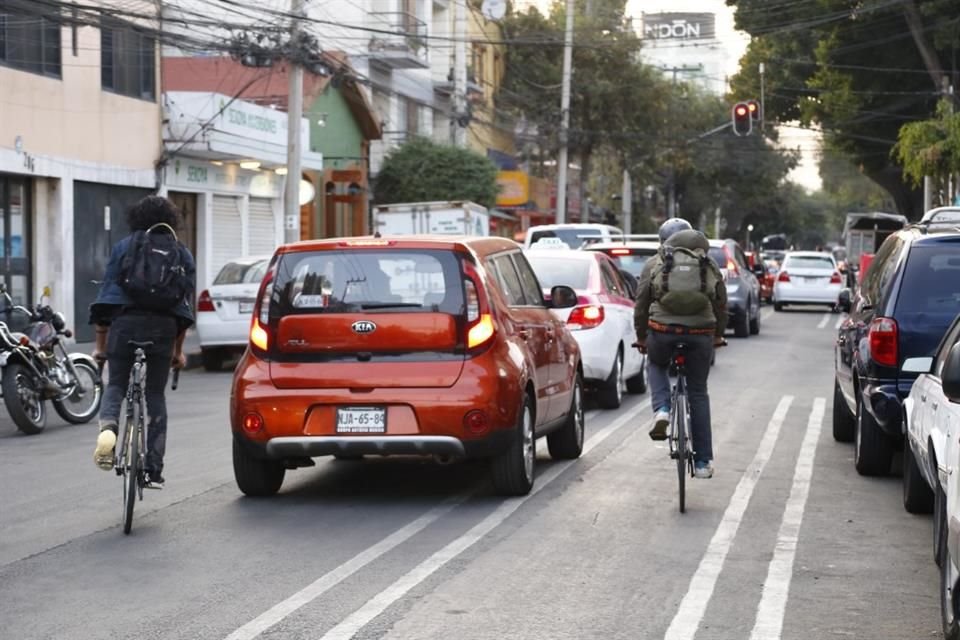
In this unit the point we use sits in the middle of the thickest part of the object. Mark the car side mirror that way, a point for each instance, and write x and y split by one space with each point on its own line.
563 297
950 376
843 301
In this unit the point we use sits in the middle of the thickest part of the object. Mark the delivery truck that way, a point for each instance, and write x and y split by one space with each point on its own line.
454 218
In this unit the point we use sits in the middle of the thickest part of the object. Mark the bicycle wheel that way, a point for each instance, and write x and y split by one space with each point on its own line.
131 471
682 447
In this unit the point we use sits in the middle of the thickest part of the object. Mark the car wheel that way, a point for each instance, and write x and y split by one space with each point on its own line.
844 422
948 590
212 359
917 495
873 450
567 442
610 393
741 324
638 383
939 525
256 476
513 470
755 323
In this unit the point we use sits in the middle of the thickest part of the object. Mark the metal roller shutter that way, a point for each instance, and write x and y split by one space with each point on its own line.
227 232
263 233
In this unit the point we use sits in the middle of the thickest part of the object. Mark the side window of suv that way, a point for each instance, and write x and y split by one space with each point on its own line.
528 279
509 280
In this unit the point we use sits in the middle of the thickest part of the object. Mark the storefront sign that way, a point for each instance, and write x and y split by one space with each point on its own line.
514 188
227 178
679 26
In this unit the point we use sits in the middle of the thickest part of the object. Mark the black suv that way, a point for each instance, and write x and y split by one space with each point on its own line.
908 297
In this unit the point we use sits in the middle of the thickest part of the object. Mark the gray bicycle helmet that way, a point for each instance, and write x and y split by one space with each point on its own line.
672 226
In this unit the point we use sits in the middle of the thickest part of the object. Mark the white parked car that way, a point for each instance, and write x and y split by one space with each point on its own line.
601 323
574 235
807 277
931 465
224 310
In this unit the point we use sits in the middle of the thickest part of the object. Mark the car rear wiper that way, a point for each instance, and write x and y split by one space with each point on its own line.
389 305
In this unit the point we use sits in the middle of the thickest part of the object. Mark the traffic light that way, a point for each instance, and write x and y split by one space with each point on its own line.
754 107
742 120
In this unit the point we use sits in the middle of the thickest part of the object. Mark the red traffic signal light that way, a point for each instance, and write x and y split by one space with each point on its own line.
754 107
741 119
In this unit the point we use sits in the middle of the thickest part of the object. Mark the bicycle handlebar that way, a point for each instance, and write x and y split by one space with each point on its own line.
176 379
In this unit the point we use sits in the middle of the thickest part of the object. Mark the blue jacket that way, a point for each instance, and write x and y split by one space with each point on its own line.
112 298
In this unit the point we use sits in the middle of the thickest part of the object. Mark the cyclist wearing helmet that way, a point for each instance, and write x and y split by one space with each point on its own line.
681 297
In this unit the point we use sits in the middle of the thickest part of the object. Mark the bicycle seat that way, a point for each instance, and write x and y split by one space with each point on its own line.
145 344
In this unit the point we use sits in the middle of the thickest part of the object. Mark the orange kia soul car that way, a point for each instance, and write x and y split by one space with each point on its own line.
434 346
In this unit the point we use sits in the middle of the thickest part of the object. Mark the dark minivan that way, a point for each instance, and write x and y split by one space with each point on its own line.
908 297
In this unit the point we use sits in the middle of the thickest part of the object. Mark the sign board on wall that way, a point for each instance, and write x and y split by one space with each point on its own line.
679 26
197 175
514 188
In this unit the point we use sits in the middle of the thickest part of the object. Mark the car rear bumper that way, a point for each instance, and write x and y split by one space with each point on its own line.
791 294
885 403
214 332
598 349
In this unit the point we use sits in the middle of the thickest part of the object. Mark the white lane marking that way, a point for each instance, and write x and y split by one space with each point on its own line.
824 321
840 321
773 603
356 621
337 575
687 619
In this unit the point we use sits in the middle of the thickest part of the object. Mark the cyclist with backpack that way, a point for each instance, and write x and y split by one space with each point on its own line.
145 297
682 298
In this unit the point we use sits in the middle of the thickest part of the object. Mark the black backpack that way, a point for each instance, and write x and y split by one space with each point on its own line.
152 272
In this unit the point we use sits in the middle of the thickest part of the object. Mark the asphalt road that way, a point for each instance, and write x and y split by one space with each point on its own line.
786 541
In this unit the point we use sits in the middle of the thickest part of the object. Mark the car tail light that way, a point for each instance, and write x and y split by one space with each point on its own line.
620 252
480 328
252 423
260 326
783 277
586 317
836 278
476 422
884 336
205 302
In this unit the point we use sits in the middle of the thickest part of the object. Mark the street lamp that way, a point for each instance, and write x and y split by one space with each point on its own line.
749 229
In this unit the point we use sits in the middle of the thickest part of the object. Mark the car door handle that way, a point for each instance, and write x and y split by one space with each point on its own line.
935 406
923 398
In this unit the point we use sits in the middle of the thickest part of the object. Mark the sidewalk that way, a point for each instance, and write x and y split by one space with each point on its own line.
191 348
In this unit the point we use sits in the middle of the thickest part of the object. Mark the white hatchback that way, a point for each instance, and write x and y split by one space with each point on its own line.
602 321
224 310
807 277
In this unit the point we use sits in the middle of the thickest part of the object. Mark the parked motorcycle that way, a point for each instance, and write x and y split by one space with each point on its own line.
37 368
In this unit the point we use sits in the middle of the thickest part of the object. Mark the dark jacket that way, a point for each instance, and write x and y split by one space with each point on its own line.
113 300
647 308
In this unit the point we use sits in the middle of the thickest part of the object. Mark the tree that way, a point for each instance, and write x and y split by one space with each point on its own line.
423 171
858 70
932 148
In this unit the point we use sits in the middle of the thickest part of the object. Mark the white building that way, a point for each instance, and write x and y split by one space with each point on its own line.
686 48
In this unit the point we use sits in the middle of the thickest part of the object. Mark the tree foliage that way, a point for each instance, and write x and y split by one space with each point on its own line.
931 148
859 70
422 171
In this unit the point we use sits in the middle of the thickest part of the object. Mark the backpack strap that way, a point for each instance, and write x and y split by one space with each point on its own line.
703 274
164 225
667 268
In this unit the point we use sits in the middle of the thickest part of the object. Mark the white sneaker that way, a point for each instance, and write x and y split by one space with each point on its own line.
103 454
661 420
703 470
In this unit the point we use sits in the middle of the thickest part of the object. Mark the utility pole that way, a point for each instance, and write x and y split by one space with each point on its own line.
291 197
626 203
459 136
763 115
565 116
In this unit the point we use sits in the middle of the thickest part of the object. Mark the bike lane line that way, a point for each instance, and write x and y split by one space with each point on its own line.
824 320
694 604
356 621
776 588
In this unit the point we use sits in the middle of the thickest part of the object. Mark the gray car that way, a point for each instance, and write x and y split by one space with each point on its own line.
743 287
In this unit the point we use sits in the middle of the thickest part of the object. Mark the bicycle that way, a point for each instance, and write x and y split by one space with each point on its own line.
678 434
130 463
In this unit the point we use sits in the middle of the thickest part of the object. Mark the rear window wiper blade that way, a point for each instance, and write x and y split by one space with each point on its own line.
390 305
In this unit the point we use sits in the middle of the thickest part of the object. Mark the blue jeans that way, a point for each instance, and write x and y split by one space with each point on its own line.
699 353
162 331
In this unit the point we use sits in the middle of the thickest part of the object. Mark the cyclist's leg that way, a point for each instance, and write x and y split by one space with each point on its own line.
659 350
699 355
162 332
119 363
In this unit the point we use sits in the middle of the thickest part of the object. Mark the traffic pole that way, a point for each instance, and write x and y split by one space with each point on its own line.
291 198
565 115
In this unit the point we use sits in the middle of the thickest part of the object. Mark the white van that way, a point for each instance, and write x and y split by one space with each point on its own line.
573 235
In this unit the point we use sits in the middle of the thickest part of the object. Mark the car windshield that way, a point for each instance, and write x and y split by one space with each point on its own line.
387 280
632 262
555 270
808 262
242 272
571 237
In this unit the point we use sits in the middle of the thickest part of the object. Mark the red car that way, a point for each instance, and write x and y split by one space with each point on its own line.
439 347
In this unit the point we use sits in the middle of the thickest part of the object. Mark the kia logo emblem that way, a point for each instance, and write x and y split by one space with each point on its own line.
363 326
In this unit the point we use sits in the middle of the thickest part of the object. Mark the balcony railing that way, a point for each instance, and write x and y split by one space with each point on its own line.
406 46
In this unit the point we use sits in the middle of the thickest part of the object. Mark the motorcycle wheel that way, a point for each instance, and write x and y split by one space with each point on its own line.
77 408
24 399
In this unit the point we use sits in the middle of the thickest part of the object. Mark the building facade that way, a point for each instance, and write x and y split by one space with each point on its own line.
685 47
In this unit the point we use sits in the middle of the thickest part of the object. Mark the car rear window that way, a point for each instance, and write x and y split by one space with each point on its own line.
572 237
242 272
931 280
808 262
718 255
631 262
370 280
553 271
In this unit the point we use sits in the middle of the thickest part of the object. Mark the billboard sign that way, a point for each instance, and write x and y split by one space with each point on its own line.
679 26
